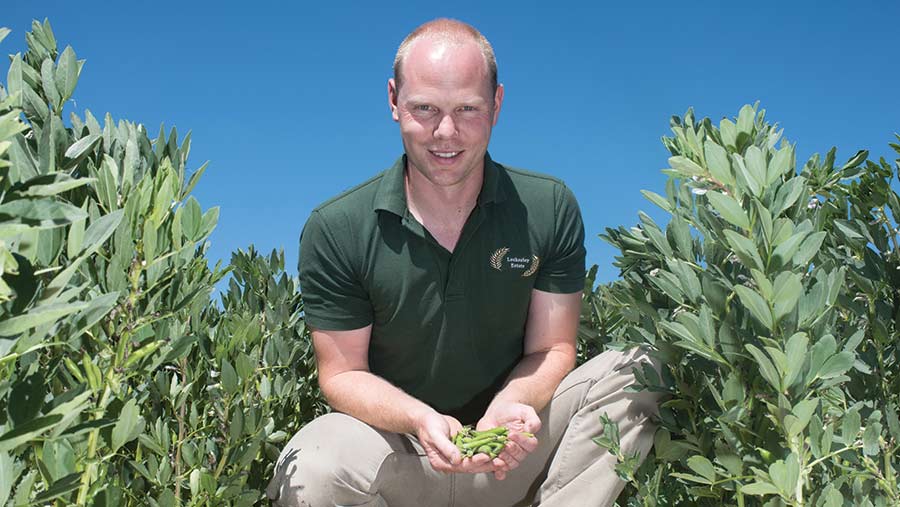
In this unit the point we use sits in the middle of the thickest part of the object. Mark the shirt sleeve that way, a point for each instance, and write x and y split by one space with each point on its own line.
563 270
333 296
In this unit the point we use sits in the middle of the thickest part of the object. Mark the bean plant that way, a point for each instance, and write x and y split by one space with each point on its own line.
771 300
122 381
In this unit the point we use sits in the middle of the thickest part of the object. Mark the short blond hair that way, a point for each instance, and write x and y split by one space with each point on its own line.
450 30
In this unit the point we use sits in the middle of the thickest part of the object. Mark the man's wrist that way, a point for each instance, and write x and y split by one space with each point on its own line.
418 415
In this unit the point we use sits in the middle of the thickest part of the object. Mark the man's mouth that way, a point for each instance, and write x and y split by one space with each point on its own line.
445 154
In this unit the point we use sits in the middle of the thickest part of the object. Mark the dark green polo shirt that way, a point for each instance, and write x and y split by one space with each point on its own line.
447 328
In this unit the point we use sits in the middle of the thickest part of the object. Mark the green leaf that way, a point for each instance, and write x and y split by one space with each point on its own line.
81 146
809 248
39 315
769 373
658 200
824 348
60 488
756 166
759 489
229 377
785 474
756 305
893 422
210 219
129 425
788 289
48 82
729 208
778 166
763 285
870 438
655 235
802 411
786 250
24 433
833 497
191 219
702 466
815 436
745 249
718 164
691 477
689 283
847 229
795 350
850 425
856 160
108 184
729 132
193 181
26 399
98 307
745 119
686 166
45 212
47 185
97 233
100 230
7 472
788 194
75 238
67 73
837 364
745 178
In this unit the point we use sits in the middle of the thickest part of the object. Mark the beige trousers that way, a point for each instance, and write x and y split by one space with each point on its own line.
337 460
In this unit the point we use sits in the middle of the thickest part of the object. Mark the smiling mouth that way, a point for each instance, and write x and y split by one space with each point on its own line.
445 154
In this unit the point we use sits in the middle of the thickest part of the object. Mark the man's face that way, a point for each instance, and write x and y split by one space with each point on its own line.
446 109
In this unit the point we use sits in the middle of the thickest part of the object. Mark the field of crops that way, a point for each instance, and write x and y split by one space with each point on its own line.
771 296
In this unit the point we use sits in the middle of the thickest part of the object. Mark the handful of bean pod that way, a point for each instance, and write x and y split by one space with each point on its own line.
490 442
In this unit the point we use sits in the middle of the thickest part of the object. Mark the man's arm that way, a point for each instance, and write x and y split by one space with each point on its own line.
549 350
549 354
349 387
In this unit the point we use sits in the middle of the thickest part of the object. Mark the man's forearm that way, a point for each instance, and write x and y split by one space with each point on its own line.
534 380
375 401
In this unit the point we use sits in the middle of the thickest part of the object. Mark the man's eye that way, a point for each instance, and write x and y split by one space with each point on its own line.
467 109
422 108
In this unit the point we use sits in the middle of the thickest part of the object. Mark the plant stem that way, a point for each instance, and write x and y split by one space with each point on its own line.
180 417
833 454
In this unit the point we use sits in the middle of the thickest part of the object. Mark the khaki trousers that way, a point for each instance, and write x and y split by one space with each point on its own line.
337 460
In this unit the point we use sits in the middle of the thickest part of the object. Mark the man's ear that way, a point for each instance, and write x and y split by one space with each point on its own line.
392 99
498 101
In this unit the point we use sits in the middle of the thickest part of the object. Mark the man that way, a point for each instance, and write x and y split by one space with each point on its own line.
447 291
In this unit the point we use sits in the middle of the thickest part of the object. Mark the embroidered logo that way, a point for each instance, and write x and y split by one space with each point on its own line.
535 262
499 260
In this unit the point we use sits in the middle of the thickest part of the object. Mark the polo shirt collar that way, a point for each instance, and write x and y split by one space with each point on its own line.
391 194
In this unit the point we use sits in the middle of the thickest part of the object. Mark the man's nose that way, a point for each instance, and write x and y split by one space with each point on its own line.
446 128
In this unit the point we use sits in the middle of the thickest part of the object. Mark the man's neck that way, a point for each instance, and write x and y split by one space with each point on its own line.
437 200
442 210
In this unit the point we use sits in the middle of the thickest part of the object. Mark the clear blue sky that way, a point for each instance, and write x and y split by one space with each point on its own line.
288 102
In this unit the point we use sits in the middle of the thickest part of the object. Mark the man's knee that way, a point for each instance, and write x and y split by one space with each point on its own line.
334 459
616 379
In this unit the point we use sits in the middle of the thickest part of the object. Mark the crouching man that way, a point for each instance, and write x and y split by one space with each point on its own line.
446 291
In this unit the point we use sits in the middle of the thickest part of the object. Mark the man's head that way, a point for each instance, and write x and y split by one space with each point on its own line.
448 102
453 31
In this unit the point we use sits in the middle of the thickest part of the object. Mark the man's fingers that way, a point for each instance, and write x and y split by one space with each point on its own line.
526 443
449 451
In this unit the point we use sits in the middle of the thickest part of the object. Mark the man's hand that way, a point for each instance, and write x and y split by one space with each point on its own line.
518 418
434 431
